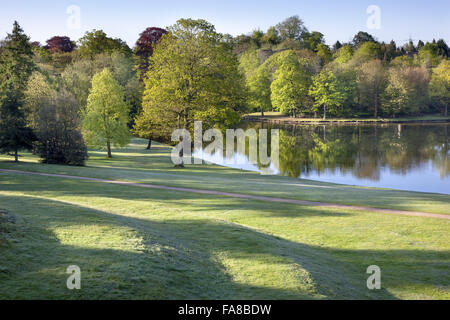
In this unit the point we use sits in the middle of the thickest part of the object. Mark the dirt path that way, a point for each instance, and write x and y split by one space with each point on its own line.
239 196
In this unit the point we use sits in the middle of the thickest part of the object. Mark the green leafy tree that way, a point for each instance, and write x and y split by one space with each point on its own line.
290 85
16 65
371 79
272 36
16 62
291 29
440 84
344 55
406 91
311 40
58 129
15 135
193 75
259 85
37 93
361 38
366 52
107 114
96 42
325 91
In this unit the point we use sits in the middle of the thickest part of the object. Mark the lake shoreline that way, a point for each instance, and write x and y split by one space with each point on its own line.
293 121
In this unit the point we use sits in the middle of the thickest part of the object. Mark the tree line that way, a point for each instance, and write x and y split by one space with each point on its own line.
57 99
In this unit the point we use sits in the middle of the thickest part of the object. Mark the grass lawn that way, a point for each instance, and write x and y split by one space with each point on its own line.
135 243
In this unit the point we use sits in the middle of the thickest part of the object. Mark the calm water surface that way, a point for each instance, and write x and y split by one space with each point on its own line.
413 157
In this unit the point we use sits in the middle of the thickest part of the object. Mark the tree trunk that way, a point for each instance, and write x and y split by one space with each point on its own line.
376 105
16 156
294 113
446 111
262 112
108 146
149 146
324 112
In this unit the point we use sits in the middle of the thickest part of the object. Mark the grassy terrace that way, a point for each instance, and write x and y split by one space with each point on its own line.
132 242
279 117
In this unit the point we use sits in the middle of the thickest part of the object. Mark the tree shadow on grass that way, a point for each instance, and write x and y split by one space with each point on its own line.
178 259
40 185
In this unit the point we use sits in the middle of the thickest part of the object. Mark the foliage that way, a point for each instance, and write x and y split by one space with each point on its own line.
145 46
14 132
371 78
291 29
60 44
16 62
193 75
440 84
290 85
58 129
96 42
107 114
325 90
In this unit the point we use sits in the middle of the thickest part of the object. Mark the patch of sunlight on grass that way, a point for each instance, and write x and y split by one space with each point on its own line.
100 237
268 271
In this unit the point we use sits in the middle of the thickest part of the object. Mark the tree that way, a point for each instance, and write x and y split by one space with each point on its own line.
145 46
60 44
16 65
272 36
325 90
440 84
37 93
58 131
258 79
324 52
259 85
366 52
16 62
77 77
396 95
406 91
291 29
107 114
290 85
371 78
14 133
362 37
96 41
344 55
194 75
312 39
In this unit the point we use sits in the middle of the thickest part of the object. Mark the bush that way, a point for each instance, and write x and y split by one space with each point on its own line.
58 130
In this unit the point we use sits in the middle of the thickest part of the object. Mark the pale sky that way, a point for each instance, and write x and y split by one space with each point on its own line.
337 20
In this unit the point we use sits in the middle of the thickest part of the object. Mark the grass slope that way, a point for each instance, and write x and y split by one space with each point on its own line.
152 244
135 164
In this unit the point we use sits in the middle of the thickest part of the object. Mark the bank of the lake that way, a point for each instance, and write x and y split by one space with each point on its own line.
279 118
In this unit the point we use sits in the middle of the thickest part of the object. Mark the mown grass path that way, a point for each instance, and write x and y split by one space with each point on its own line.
240 196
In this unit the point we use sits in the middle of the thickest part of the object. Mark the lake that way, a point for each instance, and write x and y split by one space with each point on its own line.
412 157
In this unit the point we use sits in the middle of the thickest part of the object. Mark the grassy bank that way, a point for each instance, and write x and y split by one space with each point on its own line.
280 118
151 244
136 164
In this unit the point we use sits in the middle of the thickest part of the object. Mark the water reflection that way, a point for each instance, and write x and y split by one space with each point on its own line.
403 156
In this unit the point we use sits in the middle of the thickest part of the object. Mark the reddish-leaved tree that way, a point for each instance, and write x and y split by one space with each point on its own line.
60 44
145 45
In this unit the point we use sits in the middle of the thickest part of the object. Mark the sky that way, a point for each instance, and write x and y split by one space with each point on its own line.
399 20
